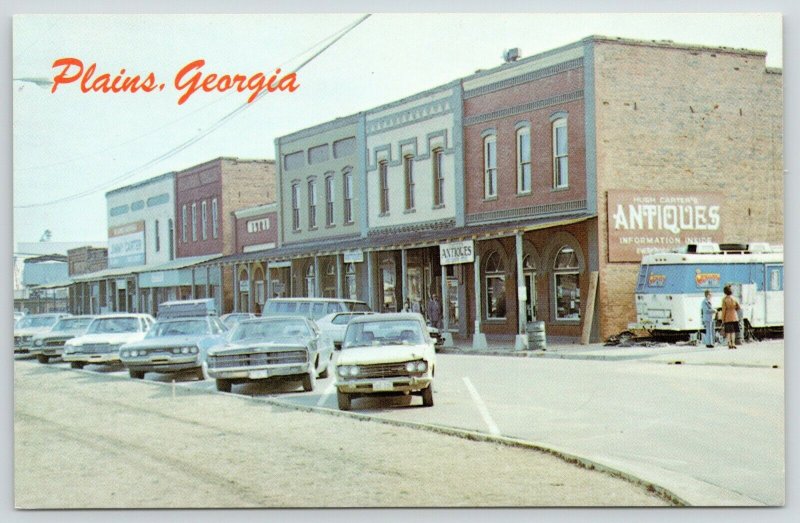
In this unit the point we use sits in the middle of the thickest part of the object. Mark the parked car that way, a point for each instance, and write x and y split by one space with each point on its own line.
313 308
335 325
232 319
50 344
386 354
174 345
104 337
32 324
279 346
187 308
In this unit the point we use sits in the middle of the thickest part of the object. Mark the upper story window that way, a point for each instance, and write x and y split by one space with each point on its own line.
295 207
312 204
344 147
524 160
194 221
383 181
408 171
293 161
318 154
329 200
118 210
438 178
560 148
171 235
490 166
158 237
184 223
348 197
214 219
204 219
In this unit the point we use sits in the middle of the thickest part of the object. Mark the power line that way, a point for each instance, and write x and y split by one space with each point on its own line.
202 134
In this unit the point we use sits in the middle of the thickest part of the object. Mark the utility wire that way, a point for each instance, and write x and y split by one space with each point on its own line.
213 127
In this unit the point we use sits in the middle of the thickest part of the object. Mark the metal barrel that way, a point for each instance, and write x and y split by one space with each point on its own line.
536 335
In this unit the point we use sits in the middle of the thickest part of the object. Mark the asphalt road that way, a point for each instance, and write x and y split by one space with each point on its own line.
711 434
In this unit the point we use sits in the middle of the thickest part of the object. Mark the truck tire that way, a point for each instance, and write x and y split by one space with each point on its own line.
343 399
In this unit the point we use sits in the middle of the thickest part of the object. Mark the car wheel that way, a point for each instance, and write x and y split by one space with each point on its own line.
76 364
202 372
427 396
324 374
136 374
41 358
344 400
224 385
308 382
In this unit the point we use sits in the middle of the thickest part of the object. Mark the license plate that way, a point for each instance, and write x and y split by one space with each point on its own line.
382 385
258 374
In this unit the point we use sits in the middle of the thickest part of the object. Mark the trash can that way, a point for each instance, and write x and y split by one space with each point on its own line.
536 336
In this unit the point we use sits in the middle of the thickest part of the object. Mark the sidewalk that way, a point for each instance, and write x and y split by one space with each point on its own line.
767 353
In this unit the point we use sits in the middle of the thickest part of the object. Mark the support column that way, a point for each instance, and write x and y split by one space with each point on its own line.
267 284
251 299
446 335
193 282
235 288
208 283
371 281
404 276
339 271
478 338
317 278
521 340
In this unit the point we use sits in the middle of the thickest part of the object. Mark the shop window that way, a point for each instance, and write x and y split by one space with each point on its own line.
524 160
438 178
329 281
495 283
490 166
560 157
310 281
350 281
388 279
567 285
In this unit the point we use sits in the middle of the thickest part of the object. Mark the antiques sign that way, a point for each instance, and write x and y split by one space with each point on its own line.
644 222
456 252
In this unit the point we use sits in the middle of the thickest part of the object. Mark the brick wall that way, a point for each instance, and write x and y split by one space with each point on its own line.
697 120
246 183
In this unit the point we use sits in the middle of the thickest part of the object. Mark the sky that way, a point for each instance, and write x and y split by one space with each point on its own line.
70 142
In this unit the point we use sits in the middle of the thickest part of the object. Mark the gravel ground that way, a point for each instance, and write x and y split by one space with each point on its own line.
90 440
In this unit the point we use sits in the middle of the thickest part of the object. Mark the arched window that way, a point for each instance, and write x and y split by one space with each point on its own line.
329 280
310 280
350 289
566 271
495 278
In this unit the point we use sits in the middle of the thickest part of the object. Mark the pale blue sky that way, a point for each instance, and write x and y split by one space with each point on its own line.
68 141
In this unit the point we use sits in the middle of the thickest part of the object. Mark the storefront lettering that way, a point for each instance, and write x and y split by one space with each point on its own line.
672 218
456 252
258 225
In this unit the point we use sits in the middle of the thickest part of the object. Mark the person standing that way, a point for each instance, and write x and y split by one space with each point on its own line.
730 316
435 312
709 319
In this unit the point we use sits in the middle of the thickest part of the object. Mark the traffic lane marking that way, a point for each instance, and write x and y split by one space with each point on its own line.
487 418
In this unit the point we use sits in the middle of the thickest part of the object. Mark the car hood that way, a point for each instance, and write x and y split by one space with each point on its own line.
114 339
30 331
381 354
59 334
165 341
233 348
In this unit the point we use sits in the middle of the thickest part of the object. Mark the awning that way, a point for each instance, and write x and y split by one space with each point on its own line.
410 239
178 263
175 273
54 285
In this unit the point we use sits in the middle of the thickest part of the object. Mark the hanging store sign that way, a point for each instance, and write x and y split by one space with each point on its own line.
126 245
279 264
457 252
644 222
353 256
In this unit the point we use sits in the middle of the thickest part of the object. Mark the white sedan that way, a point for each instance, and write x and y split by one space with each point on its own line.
334 325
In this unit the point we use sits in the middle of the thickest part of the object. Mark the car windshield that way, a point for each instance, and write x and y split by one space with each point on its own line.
345 318
32 322
179 328
271 329
70 324
378 333
113 325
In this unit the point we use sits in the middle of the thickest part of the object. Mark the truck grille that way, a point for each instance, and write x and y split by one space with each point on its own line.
383 370
257 359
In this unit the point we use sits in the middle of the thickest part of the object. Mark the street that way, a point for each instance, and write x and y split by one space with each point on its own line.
712 434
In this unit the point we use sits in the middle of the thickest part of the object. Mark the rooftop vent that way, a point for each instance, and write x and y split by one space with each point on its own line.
511 55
